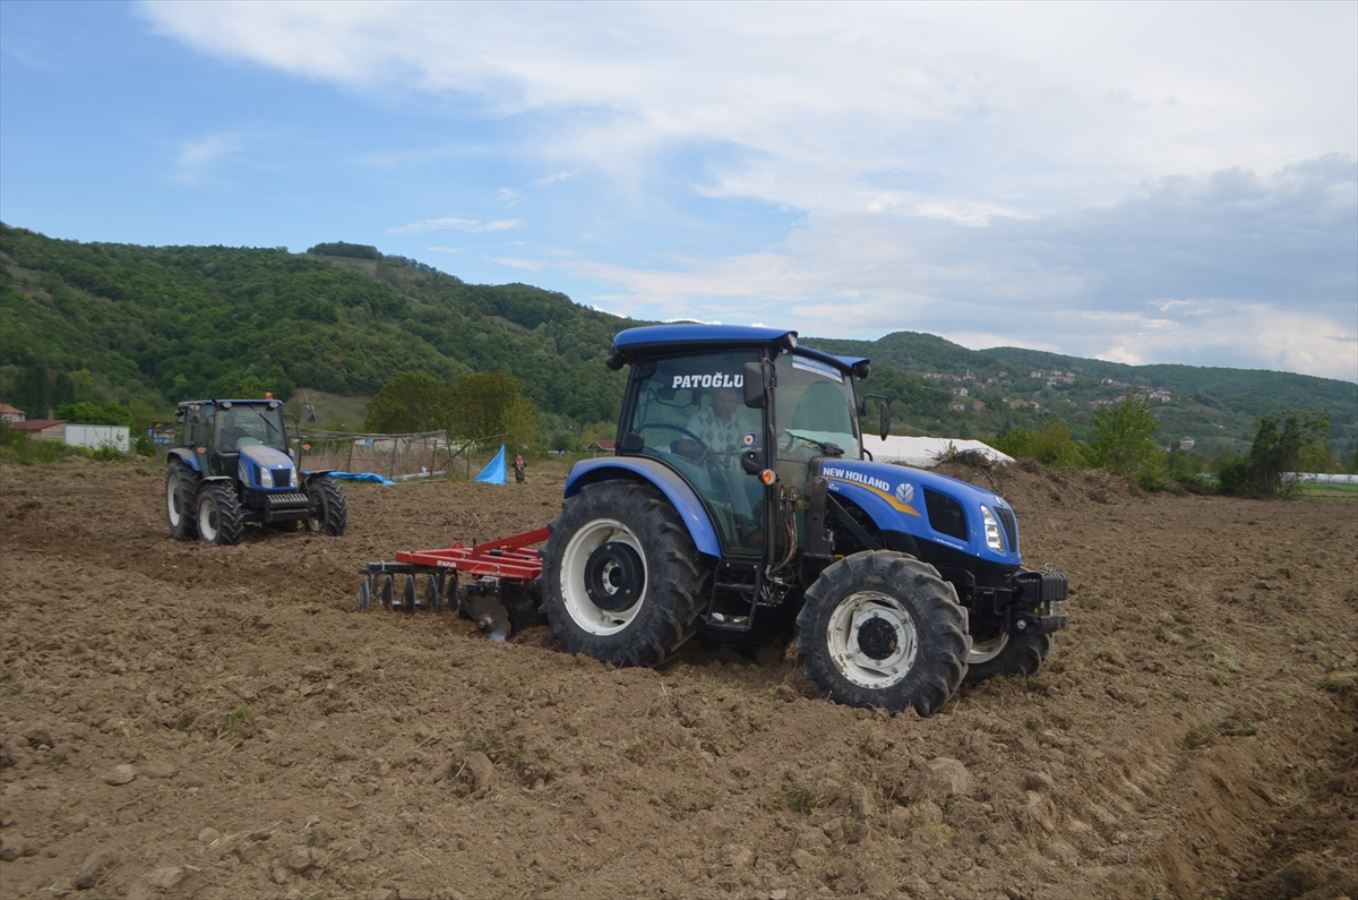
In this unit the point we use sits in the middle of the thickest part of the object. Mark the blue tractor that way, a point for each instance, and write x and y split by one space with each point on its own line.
233 466
741 495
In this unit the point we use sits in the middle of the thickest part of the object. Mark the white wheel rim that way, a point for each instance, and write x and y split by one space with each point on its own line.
579 606
316 522
172 501
205 526
985 651
846 625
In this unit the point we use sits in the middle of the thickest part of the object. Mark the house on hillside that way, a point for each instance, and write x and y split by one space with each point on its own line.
10 414
47 429
602 445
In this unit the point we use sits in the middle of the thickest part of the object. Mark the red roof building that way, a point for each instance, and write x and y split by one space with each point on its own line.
53 429
10 414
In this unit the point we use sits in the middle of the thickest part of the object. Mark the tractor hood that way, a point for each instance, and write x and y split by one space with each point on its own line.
264 468
927 505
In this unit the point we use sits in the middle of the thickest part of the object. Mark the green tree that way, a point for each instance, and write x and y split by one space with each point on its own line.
95 413
1051 445
491 404
63 389
1277 449
1122 437
35 392
410 402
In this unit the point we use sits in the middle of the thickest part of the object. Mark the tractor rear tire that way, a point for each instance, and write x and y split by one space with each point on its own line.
1021 656
329 511
181 488
882 629
621 580
220 519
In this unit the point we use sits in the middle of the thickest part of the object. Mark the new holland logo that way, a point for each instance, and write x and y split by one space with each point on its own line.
905 492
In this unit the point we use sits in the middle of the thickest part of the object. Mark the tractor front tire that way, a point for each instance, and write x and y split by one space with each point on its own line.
181 488
329 511
220 519
621 581
882 629
1008 655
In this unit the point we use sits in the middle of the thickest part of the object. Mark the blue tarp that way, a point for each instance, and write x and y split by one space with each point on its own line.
360 476
494 472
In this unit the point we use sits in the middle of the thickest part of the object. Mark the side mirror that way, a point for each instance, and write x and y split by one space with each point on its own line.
883 412
758 378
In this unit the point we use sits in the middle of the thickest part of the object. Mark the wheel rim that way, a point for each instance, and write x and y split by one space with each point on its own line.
872 639
985 651
172 501
316 522
207 519
596 560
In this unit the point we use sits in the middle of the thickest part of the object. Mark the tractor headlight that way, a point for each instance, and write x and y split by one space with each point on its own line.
992 530
265 477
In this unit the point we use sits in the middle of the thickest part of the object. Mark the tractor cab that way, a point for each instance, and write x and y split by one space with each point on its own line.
218 430
735 422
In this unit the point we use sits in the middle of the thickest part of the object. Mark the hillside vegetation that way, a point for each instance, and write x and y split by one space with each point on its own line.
147 326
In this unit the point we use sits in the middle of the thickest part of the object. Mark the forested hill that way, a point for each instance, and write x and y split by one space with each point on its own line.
170 323
156 324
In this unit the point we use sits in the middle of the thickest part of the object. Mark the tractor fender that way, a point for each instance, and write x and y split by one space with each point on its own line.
664 479
185 456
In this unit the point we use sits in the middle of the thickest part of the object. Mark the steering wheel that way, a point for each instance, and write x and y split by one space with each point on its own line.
704 452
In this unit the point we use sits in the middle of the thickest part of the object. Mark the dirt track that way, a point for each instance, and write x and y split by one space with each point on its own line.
1192 735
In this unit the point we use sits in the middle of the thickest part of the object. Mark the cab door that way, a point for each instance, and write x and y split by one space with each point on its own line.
689 413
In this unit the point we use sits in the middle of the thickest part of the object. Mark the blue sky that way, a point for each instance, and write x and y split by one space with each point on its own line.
1140 182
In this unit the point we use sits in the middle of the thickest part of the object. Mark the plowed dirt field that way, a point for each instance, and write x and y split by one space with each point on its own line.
182 720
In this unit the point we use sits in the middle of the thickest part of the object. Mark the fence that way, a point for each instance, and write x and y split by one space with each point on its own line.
392 455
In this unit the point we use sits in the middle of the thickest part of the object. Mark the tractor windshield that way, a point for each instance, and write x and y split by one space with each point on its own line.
814 410
243 425
690 414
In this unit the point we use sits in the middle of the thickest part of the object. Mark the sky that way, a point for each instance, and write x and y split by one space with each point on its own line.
1137 182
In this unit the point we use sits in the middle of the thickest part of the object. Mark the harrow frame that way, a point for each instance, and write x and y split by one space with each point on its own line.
508 561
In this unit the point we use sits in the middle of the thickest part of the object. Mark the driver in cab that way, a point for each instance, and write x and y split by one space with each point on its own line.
718 426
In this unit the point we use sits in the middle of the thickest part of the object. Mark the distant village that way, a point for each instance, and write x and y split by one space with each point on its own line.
1030 392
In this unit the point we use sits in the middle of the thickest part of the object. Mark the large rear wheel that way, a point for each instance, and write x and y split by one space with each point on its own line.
880 628
621 581
181 487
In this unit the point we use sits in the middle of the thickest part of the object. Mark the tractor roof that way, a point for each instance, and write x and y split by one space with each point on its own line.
657 340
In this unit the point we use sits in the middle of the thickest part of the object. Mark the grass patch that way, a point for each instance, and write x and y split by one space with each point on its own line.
239 723
1339 682
1202 734
803 800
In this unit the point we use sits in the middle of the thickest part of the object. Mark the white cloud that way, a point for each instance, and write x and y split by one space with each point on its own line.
197 157
455 224
450 251
554 178
527 265
1146 181
1009 108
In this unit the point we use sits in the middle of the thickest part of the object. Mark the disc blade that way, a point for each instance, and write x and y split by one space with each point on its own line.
489 614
